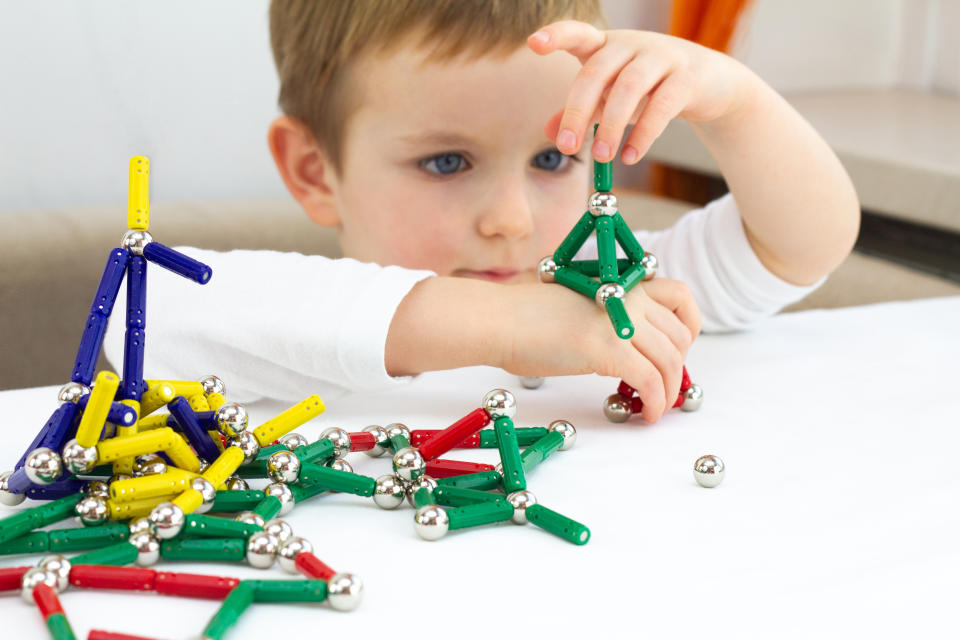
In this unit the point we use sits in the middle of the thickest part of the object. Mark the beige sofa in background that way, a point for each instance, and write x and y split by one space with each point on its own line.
51 262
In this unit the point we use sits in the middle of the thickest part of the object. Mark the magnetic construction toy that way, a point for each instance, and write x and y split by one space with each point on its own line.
141 484
607 280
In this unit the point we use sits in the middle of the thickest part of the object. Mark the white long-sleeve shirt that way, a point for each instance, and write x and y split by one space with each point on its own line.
286 325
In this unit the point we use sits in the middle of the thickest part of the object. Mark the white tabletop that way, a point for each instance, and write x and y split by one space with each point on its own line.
838 515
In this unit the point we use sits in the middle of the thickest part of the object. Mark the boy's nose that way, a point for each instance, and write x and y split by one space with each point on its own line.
508 213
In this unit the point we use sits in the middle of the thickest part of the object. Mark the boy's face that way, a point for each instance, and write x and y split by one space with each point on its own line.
446 165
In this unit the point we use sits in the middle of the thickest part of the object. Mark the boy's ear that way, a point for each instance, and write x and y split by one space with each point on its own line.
305 169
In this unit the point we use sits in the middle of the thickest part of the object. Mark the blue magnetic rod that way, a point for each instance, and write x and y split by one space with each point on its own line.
177 262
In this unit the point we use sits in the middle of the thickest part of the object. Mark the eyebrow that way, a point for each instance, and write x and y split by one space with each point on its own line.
439 138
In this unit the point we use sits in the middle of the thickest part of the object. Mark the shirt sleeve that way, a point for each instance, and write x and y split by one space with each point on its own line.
270 324
708 250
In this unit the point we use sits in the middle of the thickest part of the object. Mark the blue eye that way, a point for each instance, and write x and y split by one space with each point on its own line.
444 164
550 160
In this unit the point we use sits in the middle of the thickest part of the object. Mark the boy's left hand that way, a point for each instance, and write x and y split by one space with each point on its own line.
639 77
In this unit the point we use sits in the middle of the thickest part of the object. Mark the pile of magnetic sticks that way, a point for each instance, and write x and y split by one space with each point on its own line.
106 457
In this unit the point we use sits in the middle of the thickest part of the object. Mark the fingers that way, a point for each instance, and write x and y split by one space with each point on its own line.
641 374
635 81
586 96
658 349
670 325
577 38
676 297
665 103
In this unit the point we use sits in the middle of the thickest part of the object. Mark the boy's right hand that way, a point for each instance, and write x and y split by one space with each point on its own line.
548 330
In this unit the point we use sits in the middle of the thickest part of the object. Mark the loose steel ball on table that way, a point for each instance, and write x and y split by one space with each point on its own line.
408 464
340 440
262 550
708 471
388 493
148 548
531 382
59 566
289 550
7 497
380 437
344 591
166 520
43 466
431 522
616 408
92 511
78 459
283 466
568 432
231 419
520 500
499 403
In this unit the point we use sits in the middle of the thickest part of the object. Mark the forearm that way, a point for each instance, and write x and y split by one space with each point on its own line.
798 206
444 323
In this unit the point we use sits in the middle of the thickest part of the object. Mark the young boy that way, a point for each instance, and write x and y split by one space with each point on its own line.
417 130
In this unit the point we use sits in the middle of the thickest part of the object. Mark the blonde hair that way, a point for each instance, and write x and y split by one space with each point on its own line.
314 41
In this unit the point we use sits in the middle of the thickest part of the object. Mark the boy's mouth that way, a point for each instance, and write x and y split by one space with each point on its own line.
494 275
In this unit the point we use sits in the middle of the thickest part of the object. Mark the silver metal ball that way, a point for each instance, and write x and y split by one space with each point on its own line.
568 431
425 482
117 477
72 392
207 490
43 466
397 429
33 577
149 464
520 501
389 492
246 442
262 550
499 403
547 269
139 525
97 488
284 494
8 497
293 440
602 203
609 290
289 550
616 408
408 464
382 441
148 548
708 471
340 465
650 265
344 591
236 483
250 517
498 468
692 398
340 440
431 522
78 460
283 466
232 419
279 528
531 382
166 520
213 384
58 566
135 240
92 511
